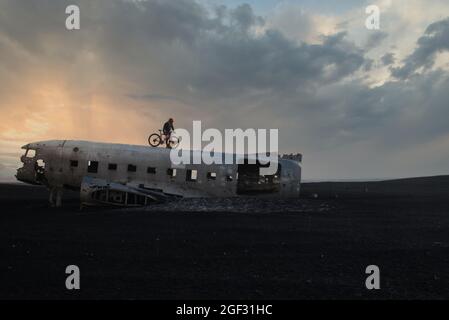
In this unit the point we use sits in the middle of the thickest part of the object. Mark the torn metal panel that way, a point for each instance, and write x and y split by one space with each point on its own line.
99 192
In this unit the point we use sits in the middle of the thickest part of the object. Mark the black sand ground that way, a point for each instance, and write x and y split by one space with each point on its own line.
311 248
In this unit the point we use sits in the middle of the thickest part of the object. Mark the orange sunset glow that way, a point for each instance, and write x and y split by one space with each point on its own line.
354 101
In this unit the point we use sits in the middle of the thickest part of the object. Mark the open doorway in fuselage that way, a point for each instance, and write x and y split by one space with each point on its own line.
39 169
250 181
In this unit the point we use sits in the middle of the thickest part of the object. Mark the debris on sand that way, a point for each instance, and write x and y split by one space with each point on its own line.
241 205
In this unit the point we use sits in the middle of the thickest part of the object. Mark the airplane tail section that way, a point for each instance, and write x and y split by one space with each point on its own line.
295 157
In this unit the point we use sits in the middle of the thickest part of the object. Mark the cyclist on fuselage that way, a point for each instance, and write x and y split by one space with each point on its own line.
167 130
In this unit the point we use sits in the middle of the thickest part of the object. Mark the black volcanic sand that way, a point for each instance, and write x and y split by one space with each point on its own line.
312 248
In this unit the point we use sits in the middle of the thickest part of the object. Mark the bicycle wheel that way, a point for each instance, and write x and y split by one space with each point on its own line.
154 140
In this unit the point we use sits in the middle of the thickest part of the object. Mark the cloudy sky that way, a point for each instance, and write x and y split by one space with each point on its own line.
357 103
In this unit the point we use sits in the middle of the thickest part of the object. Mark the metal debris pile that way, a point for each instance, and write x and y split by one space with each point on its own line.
241 205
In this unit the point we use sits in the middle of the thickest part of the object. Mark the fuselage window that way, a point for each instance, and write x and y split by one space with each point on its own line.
73 163
191 175
132 168
30 153
92 166
112 166
40 163
171 172
151 170
211 175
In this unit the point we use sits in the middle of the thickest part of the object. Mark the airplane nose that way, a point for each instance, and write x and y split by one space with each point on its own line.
26 174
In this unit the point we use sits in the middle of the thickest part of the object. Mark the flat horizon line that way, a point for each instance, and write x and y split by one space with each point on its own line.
310 180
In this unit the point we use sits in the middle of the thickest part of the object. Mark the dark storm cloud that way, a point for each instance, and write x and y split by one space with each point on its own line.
375 39
434 40
235 62
244 17
181 46
226 58
396 113
387 59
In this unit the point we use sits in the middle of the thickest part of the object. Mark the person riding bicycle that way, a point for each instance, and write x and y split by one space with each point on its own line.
167 130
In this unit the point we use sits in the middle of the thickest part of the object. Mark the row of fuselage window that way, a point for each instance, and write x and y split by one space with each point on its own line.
191 174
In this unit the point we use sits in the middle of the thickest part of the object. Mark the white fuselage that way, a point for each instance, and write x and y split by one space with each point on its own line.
66 162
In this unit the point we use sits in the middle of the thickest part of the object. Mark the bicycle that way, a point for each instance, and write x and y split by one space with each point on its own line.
157 139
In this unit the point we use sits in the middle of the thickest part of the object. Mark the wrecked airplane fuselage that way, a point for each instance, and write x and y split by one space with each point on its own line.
130 175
